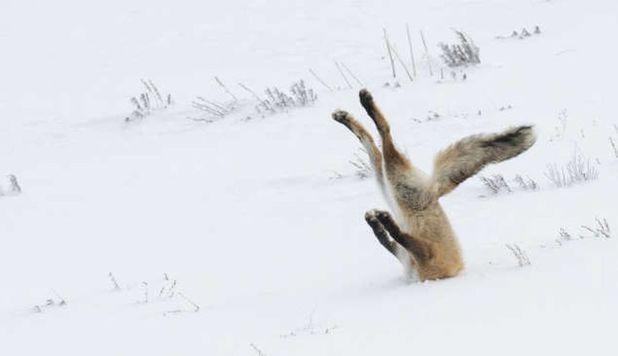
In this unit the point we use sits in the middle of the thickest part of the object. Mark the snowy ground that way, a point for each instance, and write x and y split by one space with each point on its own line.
260 222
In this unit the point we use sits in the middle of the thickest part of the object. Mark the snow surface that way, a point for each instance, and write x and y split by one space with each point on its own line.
247 216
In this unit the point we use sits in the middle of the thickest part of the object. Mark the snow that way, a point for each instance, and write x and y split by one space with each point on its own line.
247 216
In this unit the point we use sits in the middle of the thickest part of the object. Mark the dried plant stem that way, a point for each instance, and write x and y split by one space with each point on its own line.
343 75
390 54
611 141
114 282
520 255
352 74
320 80
250 91
225 89
411 50
402 64
196 307
427 53
257 350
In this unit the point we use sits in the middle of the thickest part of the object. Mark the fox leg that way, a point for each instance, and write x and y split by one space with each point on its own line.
381 234
407 182
420 249
375 156
392 156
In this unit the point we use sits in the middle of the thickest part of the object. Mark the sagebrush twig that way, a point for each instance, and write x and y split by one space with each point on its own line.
411 50
226 89
390 54
427 53
320 80
520 255
343 75
352 75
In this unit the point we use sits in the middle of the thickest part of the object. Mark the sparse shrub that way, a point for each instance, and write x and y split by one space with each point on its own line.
496 184
362 168
257 350
279 101
163 292
560 129
598 230
148 101
50 304
310 328
614 148
522 34
564 236
14 187
601 229
526 183
114 281
464 53
578 169
520 255
214 111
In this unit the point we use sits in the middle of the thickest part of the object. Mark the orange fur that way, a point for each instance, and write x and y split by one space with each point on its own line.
423 232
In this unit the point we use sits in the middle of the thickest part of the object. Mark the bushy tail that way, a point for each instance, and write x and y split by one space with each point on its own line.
469 155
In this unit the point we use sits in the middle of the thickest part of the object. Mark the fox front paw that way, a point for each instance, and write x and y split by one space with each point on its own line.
341 116
372 220
381 214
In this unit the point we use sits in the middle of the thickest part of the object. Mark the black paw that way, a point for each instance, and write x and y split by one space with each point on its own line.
382 215
341 116
366 100
370 217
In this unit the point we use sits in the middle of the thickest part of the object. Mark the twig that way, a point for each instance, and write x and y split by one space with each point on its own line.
145 286
63 301
114 282
522 258
343 75
427 53
157 93
611 141
320 80
195 306
402 64
257 350
208 109
352 74
411 51
170 289
390 55
250 91
226 89
16 188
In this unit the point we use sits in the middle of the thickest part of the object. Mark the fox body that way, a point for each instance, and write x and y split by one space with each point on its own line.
420 235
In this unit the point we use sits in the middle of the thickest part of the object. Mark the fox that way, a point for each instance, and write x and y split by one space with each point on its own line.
420 235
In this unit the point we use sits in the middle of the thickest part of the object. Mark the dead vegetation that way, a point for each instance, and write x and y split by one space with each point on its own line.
463 53
14 187
520 255
497 184
578 169
599 229
149 101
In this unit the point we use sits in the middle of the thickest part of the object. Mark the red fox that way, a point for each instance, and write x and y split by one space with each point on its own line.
421 237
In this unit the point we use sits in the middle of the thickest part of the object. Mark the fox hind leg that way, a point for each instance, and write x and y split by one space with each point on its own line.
382 235
420 249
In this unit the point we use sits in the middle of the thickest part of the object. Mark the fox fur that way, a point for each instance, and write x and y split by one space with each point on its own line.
420 236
